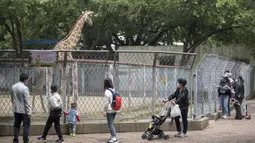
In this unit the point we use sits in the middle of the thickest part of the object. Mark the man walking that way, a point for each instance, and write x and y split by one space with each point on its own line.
22 107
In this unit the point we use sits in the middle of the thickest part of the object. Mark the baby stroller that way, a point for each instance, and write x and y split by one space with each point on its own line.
157 121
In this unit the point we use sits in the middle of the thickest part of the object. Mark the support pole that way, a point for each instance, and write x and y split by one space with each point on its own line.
63 84
129 88
75 84
154 82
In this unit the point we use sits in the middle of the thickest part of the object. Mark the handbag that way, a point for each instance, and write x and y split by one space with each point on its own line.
175 111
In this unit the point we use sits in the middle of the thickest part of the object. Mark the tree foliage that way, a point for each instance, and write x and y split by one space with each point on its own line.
132 22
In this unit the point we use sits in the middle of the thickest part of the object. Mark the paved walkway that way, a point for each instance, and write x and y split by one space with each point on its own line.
221 131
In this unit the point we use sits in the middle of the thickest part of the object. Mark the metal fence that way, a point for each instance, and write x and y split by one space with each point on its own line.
209 72
143 78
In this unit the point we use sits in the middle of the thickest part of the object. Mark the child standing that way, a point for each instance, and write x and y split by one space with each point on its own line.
73 117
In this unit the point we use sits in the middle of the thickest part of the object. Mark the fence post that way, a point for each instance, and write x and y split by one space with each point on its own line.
64 83
144 85
82 81
75 82
129 88
114 71
192 91
154 82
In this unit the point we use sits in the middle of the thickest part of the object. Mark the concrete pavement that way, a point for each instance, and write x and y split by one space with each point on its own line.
220 131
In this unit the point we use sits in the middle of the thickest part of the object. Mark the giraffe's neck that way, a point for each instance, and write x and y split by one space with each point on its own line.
76 32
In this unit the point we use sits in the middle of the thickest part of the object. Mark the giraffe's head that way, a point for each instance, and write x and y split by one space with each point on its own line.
88 16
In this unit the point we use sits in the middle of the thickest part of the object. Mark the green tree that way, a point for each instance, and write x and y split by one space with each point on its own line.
162 22
13 11
132 23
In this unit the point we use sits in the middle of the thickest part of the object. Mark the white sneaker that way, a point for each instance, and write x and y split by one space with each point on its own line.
179 134
112 140
184 135
224 117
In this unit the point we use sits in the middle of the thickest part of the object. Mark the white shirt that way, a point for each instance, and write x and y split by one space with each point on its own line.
108 101
55 101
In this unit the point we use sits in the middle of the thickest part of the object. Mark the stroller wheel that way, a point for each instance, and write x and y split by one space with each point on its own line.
166 137
160 136
149 138
144 136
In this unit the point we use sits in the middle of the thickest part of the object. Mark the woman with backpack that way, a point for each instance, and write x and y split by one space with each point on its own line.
109 112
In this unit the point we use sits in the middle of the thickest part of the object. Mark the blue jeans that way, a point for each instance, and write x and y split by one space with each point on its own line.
110 118
72 128
224 100
26 127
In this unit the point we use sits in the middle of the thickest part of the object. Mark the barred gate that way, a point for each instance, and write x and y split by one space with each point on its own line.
209 72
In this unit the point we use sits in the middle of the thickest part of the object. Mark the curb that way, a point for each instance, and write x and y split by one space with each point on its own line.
93 128
218 114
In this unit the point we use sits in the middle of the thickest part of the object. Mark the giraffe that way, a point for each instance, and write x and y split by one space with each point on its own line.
69 43
71 40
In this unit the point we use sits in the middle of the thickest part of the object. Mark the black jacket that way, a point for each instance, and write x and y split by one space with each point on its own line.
182 97
224 90
239 90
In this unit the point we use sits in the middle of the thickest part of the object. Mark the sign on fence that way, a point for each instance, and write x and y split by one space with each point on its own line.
43 58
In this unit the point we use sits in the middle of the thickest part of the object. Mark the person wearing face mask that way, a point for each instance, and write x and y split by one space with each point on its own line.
181 96
22 108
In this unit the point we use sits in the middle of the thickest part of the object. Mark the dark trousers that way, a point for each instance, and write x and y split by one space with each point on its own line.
56 121
26 127
184 113
238 111
229 111
240 100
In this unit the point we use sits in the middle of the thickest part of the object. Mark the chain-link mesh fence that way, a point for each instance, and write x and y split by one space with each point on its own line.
208 73
143 78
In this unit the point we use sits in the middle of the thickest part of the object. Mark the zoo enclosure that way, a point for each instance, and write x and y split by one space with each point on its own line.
209 72
143 78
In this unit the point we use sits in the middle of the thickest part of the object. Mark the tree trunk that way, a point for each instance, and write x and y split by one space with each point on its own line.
185 50
154 41
20 41
13 35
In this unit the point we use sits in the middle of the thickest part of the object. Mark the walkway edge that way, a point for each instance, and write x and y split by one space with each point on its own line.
92 128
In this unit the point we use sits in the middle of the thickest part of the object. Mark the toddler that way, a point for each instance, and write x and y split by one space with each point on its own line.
73 117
